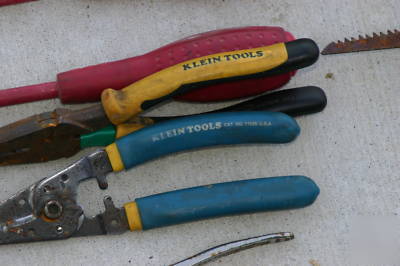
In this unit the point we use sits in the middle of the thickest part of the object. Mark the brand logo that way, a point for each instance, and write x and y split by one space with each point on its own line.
222 58
187 130
175 132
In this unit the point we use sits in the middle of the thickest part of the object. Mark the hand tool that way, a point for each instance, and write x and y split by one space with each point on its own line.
86 84
40 148
13 2
122 106
226 249
205 129
367 43
48 210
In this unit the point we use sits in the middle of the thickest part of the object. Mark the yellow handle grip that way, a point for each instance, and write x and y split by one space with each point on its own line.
126 129
132 125
122 105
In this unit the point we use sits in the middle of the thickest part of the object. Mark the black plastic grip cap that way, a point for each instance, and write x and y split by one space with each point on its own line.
301 53
294 102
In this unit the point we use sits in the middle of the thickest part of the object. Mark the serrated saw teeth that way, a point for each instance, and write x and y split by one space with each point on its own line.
388 40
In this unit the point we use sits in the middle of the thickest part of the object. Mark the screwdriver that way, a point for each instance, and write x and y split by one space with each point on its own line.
86 84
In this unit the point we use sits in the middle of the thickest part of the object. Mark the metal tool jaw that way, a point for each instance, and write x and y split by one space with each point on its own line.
48 210
42 137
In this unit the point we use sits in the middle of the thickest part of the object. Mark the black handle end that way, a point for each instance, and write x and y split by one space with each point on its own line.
294 102
309 100
301 53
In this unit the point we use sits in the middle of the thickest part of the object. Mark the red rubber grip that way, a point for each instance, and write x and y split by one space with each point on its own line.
86 84
29 93
13 2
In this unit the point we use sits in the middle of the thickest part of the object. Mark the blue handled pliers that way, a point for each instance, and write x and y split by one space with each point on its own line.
49 209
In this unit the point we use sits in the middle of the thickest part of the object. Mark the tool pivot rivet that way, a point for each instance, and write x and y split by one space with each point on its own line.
53 209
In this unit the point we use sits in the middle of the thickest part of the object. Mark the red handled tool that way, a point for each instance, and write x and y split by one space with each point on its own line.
13 2
86 84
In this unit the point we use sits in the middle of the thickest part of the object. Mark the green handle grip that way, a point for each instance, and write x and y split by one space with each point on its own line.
102 137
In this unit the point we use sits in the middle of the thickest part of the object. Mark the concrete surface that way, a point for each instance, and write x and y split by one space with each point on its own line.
350 149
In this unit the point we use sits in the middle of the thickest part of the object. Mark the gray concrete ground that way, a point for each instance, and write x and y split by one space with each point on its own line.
350 149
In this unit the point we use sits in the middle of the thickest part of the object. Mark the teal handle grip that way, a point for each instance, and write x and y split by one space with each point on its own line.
188 133
238 197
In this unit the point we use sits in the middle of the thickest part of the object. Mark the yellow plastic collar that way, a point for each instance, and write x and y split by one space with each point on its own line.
126 129
115 157
133 215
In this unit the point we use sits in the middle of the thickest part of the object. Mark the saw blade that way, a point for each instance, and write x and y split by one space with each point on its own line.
388 40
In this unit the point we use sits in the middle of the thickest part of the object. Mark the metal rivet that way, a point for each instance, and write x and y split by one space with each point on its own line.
21 202
59 229
53 209
64 177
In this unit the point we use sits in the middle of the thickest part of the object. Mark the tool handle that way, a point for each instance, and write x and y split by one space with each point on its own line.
86 84
122 105
293 102
201 131
223 199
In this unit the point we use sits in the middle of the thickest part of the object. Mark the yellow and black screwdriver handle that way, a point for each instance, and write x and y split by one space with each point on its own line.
120 106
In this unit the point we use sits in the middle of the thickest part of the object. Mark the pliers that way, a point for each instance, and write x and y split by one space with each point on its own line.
49 209
39 214
294 102
18 140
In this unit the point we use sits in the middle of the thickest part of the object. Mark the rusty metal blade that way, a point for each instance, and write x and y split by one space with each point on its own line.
48 136
388 40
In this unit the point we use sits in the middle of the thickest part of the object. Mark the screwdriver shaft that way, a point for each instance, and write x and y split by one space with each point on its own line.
27 94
